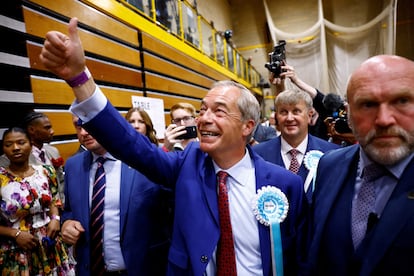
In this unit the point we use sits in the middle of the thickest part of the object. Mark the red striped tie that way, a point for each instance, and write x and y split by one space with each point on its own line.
294 164
97 220
226 257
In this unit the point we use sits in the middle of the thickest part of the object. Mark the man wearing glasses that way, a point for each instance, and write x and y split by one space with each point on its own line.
182 116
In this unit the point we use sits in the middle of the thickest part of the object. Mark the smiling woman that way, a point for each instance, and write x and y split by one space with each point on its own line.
29 219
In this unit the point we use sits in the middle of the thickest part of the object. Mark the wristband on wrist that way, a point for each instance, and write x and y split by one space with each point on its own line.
17 233
56 217
79 79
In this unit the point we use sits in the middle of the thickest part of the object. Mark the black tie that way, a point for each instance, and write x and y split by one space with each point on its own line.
42 156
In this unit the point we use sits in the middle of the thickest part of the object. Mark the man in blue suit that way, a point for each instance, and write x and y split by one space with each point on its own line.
380 97
136 239
293 113
228 115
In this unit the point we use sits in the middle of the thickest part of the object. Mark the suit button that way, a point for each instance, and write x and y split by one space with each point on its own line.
204 259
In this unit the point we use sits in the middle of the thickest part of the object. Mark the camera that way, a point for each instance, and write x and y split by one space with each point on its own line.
335 104
341 125
191 133
277 58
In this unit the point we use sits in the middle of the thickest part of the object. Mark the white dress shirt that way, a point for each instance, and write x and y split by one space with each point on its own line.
111 236
241 186
285 148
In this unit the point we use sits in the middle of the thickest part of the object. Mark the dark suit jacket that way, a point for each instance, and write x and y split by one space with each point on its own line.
388 249
263 133
144 241
270 151
196 222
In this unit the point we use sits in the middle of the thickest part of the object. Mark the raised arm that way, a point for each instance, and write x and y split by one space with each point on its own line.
289 72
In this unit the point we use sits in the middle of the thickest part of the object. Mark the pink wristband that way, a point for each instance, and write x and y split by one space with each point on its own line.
55 217
79 79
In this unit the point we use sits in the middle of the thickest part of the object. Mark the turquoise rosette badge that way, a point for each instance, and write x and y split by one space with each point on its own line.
311 159
270 205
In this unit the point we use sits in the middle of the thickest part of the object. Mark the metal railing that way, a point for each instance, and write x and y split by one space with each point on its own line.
181 19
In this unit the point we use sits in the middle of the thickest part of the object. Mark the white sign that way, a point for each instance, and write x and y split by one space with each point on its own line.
155 109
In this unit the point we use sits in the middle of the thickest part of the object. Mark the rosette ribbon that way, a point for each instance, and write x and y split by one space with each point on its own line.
270 207
311 161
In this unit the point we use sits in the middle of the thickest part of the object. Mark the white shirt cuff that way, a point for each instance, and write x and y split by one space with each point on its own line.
90 107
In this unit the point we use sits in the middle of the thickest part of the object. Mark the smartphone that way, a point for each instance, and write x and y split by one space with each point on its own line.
191 133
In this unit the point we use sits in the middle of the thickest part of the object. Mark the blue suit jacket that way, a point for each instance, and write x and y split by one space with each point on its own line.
144 240
271 151
388 248
263 133
196 225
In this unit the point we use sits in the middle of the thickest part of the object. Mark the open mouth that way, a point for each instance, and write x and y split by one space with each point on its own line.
208 133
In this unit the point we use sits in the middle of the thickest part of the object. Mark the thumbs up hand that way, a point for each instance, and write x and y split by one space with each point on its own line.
63 55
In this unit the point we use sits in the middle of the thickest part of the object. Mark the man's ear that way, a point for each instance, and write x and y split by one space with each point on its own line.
30 129
248 127
348 114
311 113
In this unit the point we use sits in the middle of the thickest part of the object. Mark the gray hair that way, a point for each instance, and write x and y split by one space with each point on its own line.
291 97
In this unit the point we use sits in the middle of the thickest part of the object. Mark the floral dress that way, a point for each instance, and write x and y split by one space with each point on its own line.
24 205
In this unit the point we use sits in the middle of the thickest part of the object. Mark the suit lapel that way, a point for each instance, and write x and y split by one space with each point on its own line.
85 186
127 180
278 156
303 171
209 185
328 195
50 152
392 220
262 179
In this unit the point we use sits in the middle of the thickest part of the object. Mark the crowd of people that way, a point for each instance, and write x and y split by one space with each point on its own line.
134 207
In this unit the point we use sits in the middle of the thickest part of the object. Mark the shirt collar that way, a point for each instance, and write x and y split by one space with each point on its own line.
396 170
36 150
285 147
239 170
107 155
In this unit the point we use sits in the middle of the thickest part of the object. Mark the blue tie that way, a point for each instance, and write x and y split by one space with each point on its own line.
97 220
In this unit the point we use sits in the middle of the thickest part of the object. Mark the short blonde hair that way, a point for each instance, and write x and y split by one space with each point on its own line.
186 106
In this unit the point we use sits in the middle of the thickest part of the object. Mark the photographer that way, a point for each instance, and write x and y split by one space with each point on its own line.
317 127
178 134
337 124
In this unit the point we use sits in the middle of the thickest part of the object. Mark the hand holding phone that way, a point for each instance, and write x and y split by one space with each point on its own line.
191 133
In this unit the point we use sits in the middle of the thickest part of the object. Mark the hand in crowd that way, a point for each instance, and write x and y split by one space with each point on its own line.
171 134
26 240
72 231
336 136
53 228
287 72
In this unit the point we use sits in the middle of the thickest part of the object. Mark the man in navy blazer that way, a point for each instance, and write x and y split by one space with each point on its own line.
380 96
293 112
228 115
143 214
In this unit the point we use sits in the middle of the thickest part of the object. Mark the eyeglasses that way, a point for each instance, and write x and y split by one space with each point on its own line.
186 119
